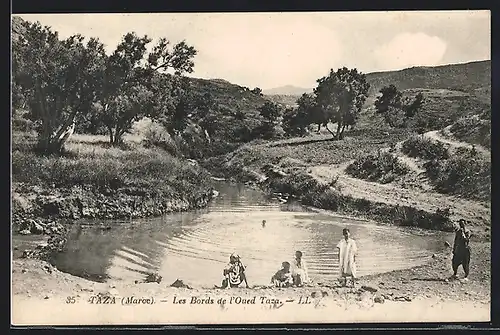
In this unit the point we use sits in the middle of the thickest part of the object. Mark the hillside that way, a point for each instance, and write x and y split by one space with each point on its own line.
238 106
467 77
287 100
473 78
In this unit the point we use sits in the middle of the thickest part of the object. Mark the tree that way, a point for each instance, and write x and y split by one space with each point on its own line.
341 96
271 113
395 108
57 80
294 122
132 87
257 91
309 112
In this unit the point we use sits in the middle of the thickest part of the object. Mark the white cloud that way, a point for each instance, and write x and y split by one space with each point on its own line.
410 49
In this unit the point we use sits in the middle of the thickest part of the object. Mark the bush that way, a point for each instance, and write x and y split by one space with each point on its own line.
157 136
421 147
383 167
474 129
461 175
298 183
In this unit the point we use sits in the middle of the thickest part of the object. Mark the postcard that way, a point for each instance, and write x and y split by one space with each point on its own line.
251 168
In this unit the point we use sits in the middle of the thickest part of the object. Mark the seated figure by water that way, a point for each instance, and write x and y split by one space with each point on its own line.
347 257
234 273
299 270
283 277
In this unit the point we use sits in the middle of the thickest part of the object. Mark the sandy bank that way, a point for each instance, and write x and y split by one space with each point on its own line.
424 293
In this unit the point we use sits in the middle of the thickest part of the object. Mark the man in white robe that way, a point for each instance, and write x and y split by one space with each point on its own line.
347 257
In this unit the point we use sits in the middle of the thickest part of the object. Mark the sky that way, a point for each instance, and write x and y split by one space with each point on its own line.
269 50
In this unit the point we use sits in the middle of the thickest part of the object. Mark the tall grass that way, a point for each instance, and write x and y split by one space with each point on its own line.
97 166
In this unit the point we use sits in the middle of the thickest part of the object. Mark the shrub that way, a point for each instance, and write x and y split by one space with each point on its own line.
298 183
157 136
461 175
383 167
473 129
421 147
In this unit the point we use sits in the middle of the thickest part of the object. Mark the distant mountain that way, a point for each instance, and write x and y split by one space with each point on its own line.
287 90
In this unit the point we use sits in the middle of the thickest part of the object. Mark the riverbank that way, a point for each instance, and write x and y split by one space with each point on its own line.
93 180
315 172
420 294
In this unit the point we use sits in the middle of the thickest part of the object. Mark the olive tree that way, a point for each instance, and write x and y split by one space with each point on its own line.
57 79
132 87
341 95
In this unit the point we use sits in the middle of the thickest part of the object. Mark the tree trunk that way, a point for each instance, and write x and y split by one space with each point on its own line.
342 131
117 136
339 125
331 132
111 137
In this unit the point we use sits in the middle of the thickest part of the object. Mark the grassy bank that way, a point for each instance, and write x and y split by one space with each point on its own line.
93 179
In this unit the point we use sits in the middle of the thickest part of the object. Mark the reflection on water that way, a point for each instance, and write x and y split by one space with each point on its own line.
195 246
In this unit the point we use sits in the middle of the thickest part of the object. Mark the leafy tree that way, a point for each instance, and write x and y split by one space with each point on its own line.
257 91
294 122
132 87
271 113
341 96
395 108
57 80
309 112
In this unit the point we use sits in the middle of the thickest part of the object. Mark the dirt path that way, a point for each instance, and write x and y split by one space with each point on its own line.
421 196
453 143
392 194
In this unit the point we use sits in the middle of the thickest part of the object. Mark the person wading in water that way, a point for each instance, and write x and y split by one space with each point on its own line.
234 273
461 250
347 257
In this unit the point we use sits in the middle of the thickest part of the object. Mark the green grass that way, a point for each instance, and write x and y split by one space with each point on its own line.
90 163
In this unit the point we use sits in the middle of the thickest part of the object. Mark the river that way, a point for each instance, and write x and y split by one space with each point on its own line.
195 246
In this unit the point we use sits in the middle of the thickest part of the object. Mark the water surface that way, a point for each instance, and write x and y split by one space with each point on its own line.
195 246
